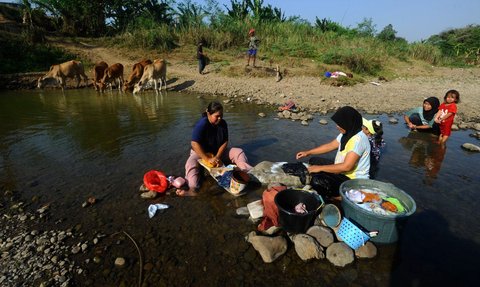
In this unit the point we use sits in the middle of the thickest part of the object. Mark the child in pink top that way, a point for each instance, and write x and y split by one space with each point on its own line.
446 114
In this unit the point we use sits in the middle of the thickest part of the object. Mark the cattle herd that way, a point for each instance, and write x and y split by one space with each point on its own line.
143 73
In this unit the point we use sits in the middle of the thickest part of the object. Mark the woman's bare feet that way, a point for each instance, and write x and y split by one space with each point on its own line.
183 192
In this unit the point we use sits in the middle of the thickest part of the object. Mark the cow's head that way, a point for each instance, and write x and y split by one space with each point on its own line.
127 86
137 88
101 86
40 83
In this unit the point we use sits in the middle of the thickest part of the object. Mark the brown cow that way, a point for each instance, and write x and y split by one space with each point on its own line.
136 75
112 73
98 73
153 72
58 73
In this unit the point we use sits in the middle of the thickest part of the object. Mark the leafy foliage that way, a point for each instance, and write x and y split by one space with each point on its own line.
326 25
462 44
17 55
366 28
387 34
190 14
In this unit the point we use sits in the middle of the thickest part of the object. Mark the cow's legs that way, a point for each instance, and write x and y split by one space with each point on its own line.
78 80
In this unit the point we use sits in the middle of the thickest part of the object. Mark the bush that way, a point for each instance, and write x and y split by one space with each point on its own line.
17 56
425 52
159 38
357 60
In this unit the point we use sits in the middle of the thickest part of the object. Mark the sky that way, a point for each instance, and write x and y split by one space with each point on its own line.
413 20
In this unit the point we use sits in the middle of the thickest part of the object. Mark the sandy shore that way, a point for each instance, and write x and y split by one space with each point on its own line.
394 96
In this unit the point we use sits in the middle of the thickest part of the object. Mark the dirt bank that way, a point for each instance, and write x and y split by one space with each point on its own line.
312 93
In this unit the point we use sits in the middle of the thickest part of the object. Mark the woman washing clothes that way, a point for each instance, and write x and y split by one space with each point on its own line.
423 118
351 161
210 143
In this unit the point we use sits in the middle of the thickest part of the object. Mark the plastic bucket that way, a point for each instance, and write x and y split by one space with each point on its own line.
291 221
388 226
330 215
239 181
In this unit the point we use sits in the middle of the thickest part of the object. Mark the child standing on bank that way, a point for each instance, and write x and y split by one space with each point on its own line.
252 47
446 114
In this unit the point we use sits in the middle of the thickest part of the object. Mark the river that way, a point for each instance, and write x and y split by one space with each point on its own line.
62 148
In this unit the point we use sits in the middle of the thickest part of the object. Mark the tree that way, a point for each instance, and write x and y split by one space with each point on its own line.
366 28
190 14
387 34
76 17
238 10
328 25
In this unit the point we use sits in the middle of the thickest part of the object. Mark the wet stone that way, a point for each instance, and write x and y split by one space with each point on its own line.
120 262
148 266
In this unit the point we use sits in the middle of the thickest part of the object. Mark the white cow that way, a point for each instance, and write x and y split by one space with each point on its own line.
157 71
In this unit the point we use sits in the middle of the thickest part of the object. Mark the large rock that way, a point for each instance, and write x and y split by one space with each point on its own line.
307 247
270 248
471 147
339 254
323 235
369 250
476 126
268 172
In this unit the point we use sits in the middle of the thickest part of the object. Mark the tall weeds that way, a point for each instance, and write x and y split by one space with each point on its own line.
425 52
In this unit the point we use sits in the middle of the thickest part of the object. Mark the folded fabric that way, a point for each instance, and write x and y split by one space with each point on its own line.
389 206
396 202
371 197
355 195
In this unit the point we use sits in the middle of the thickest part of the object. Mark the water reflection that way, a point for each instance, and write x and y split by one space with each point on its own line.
425 153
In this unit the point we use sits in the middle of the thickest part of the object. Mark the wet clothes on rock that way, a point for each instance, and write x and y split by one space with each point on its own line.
270 209
328 184
296 169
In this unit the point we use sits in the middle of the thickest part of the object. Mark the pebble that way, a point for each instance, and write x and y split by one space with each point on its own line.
75 249
120 262
392 120
323 122
471 147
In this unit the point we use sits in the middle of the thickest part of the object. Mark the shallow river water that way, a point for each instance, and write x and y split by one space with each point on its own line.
62 148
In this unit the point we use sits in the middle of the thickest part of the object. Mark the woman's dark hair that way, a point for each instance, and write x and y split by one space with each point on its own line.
378 128
454 92
212 108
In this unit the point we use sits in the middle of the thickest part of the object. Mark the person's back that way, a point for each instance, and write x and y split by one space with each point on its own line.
361 146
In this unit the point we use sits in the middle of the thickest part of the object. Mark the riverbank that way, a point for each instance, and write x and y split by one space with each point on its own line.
316 94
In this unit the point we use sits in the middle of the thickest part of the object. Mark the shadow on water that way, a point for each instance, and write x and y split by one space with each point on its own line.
430 254
64 147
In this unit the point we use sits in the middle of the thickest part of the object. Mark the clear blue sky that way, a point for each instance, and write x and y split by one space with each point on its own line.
413 20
